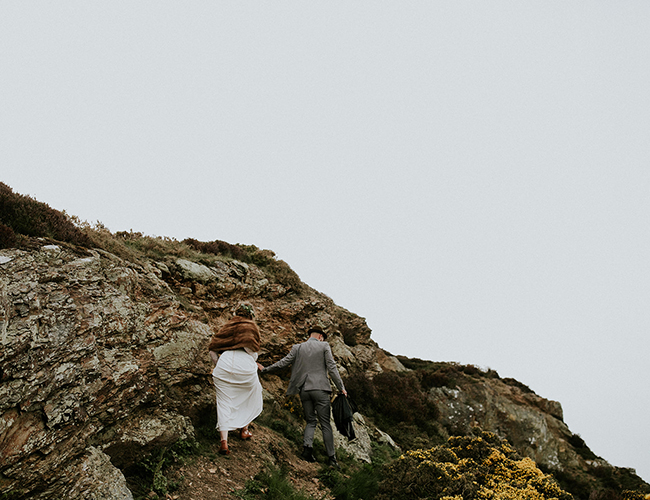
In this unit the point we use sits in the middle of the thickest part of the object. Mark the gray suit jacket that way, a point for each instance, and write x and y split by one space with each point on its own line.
312 361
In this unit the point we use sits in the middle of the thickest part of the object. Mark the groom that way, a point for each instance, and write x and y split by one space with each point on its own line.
310 362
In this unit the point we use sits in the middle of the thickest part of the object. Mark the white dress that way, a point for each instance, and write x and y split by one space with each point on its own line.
239 392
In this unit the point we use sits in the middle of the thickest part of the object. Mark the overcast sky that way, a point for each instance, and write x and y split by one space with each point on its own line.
473 178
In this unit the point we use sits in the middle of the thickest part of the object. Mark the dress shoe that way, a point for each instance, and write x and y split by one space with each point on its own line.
224 448
308 454
334 463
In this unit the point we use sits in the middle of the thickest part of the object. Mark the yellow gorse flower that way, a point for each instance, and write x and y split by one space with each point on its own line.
482 467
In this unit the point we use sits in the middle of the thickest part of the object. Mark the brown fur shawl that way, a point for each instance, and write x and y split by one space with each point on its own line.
236 334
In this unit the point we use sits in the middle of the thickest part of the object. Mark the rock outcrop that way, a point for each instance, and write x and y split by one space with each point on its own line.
510 412
103 359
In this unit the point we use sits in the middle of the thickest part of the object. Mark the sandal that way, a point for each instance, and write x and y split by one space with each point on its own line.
224 448
245 433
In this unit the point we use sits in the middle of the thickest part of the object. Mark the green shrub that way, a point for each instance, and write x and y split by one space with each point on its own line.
363 484
581 447
516 383
285 418
392 397
216 247
357 481
276 269
446 376
396 402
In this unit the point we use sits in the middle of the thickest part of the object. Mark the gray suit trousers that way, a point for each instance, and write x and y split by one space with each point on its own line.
316 405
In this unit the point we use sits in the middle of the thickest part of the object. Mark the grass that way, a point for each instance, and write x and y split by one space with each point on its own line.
354 482
286 418
357 481
135 247
272 483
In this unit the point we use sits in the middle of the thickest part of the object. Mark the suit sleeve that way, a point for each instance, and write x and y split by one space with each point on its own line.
332 369
286 361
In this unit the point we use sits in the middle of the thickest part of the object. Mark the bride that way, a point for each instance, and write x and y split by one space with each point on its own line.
239 392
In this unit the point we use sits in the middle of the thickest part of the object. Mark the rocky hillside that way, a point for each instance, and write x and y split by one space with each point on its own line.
103 363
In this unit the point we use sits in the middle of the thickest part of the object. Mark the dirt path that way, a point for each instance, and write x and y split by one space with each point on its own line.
216 478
